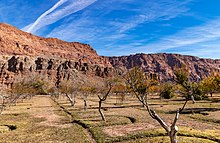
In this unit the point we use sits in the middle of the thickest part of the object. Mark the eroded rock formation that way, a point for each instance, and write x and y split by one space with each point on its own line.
16 42
54 69
25 54
164 64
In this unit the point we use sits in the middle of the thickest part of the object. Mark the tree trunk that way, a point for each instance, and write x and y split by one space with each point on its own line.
85 104
173 132
211 94
2 106
116 97
70 99
100 110
173 138
74 99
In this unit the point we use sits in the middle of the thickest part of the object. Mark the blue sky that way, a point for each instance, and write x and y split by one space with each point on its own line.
114 28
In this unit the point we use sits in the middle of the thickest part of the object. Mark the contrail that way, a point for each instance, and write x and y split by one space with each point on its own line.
44 14
52 16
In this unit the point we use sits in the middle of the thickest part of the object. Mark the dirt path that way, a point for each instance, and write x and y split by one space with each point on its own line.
43 107
122 130
88 133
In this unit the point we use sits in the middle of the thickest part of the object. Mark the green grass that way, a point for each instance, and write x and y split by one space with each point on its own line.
166 140
212 135
205 118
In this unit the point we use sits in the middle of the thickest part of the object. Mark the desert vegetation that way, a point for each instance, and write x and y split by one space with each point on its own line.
133 107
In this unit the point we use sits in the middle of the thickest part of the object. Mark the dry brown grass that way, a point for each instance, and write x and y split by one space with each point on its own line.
42 120
117 129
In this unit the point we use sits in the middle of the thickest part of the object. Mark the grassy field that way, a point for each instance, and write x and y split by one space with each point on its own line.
39 120
43 119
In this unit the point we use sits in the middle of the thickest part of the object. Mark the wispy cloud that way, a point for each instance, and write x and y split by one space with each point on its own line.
189 36
20 13
202 41
204 50
155 11
60 10
32 26
96 23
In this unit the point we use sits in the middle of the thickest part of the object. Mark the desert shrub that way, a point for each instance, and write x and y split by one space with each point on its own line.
198 92
167 91
167 94
211 84
38 86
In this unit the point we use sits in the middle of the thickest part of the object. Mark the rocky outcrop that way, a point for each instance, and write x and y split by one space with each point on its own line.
23 53
55 70
163 64
16 42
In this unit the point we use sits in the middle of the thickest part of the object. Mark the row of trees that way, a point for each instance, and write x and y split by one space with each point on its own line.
23 88
32 85
142 86
134 81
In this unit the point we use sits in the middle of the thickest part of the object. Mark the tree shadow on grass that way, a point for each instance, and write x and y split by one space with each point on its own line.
195 110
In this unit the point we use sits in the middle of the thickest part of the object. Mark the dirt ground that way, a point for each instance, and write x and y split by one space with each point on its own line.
39 120
43 119
42 107
122 130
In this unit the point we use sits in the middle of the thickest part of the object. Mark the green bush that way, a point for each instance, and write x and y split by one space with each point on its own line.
167 91
198 92
38 86
167 94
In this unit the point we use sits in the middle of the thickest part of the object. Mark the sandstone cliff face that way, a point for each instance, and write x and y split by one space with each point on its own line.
16 42
25 54
55 70
163 64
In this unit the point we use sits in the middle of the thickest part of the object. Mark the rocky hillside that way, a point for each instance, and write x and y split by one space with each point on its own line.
26 54
163 64
16 42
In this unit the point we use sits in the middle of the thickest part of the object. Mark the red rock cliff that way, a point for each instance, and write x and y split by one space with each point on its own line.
163 64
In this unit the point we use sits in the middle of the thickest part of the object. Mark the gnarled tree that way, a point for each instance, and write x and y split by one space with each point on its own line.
140 84
68 89
103 93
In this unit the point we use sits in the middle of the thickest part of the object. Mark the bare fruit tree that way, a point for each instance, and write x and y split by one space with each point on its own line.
140 84
68 89
22 89
2 103
119 89
86 92
103 93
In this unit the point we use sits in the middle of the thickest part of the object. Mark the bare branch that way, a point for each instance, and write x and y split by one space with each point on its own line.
162 123
175 119
99 97
181 109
